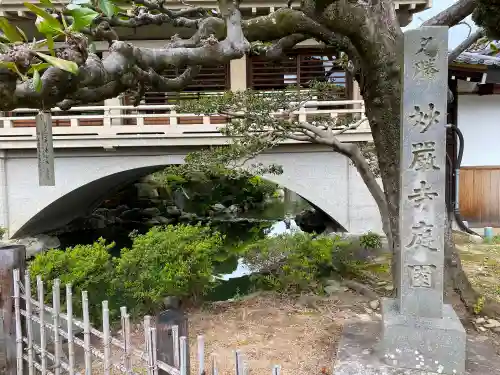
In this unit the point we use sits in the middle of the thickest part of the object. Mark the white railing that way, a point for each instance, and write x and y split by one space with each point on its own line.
160 120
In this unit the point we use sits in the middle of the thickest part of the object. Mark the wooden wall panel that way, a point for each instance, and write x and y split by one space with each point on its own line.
480 196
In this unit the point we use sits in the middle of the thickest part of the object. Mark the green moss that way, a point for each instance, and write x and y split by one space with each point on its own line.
479 305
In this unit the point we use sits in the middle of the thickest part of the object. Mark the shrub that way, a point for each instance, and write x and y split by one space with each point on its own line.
290 263
206 188
85 267
166 261
371 240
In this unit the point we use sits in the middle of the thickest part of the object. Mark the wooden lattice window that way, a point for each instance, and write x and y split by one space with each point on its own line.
299 67
210 80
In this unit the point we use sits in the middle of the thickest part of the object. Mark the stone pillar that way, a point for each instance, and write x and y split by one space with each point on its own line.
238 74
112 118
4 197
356 95
419 331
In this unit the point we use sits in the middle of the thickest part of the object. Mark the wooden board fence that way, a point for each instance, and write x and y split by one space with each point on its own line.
36 356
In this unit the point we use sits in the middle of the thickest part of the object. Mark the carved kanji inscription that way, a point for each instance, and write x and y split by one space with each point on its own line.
424 158
425 118
422 236
422 195
421 276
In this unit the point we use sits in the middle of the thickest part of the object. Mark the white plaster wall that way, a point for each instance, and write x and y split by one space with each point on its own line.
324 178
479 121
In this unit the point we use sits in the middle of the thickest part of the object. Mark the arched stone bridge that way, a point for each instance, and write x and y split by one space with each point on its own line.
84 176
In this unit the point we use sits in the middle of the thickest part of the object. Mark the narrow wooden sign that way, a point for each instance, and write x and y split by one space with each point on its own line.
45 149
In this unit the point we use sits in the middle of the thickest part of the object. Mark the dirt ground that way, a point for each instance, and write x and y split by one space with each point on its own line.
301 333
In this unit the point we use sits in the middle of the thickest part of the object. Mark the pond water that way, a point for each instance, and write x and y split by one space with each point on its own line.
274 219
277 228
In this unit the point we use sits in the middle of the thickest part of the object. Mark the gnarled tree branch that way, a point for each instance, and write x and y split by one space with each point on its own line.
453 15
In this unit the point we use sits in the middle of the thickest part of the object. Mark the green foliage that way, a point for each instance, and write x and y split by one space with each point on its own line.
258 121
166 261
85 267
290 263
479 305
2 232
495 240
54 25
371 240
206 188
486 15
10 33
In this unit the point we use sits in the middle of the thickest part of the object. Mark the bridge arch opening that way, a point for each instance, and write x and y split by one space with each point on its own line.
83 200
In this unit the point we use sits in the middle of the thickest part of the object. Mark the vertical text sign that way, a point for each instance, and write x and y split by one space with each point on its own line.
423 171
45 149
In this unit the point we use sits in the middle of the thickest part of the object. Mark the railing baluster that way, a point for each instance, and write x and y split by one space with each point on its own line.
173 118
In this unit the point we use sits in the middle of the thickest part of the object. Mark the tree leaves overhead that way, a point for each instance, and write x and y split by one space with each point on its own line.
46 23
107 7
37 81
10 32
487 15
66 65
82 16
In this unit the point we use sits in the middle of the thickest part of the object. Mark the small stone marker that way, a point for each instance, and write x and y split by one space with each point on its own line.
45 149
11 257
165 344
419 330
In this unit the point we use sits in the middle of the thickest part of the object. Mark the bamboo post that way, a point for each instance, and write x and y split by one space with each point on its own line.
106 337
86 333
69 312
175 339
183 347
125 318
29 322
17 311
152 336
201 355
41 316
213 360
56 304
147 341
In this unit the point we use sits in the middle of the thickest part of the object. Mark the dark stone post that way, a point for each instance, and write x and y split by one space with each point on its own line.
11 257
165 320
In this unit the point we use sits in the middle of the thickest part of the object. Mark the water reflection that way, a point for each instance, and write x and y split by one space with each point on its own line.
287 226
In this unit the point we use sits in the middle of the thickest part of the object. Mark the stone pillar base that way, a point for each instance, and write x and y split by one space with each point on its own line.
435 345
